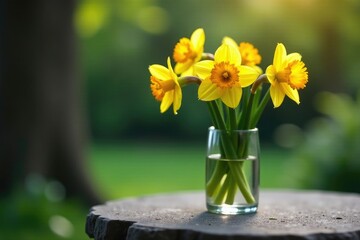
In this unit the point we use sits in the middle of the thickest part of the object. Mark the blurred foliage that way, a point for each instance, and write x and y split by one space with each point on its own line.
120 39
329 157
33 216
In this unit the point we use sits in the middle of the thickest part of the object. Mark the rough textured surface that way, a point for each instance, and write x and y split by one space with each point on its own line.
281 215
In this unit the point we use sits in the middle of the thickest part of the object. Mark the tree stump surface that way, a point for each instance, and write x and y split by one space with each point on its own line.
282 214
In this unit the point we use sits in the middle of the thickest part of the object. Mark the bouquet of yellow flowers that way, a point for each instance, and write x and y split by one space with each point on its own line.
232 84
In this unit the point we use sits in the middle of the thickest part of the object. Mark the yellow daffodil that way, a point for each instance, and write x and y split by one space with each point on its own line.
224 77
165 86
189 51
249 54
286 75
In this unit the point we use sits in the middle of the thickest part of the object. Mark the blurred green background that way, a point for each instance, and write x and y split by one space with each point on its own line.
134 150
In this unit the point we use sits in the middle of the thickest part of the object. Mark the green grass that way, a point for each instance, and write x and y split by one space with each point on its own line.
124 169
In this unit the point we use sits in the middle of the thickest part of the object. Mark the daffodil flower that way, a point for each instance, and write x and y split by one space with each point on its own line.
165 86
286 75
224 77
189 51
249 54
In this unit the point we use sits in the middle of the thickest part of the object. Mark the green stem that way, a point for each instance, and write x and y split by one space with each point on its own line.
240 178
244 104
220 168
229 152
231 191
221 195
232 117
257 99
216 116
216 177
233 125
248 112
260 109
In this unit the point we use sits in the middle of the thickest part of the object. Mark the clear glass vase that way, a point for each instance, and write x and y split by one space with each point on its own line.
232 171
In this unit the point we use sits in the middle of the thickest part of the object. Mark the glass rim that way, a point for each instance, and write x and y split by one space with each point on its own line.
212 128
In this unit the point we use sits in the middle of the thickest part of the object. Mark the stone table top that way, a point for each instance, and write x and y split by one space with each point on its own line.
282 214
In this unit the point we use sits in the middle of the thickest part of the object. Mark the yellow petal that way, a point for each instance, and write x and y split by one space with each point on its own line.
177 99
232 96
229 41
276 94
293 56
279 56
247 75
270 74
167 101
203 69
182 67
208 91
258 69
228 53
290 92
160 72
198 39
188 72
171 71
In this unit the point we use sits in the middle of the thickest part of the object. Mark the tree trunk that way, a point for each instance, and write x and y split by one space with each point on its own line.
41 126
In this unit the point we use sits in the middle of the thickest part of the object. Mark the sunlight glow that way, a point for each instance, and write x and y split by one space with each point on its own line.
153 19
